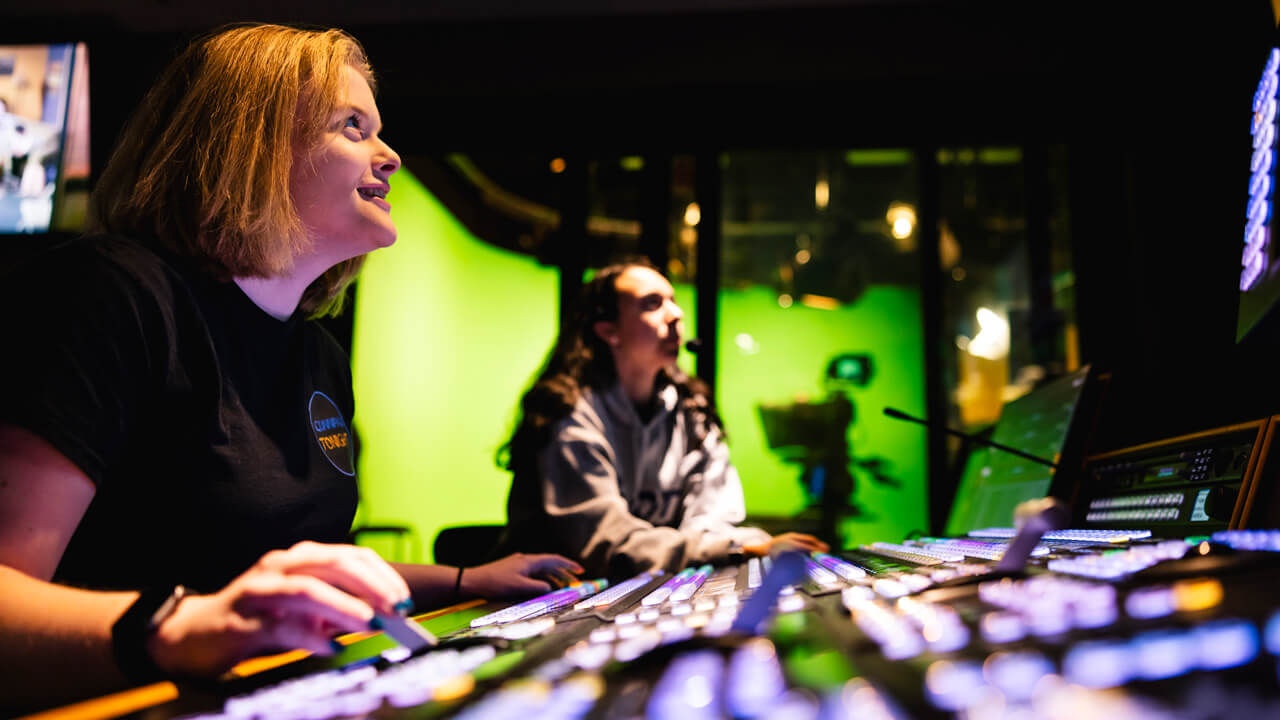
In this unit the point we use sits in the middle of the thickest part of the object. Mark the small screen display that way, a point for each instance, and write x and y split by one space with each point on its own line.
995 481
44 136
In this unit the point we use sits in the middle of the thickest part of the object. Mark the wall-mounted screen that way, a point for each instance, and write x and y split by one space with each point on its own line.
44 137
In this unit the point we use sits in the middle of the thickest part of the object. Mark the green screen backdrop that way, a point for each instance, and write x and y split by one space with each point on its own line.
449 331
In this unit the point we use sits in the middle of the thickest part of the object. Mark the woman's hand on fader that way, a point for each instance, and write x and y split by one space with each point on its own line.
290 599
519 574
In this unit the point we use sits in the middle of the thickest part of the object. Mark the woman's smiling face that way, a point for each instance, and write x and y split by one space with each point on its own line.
339 185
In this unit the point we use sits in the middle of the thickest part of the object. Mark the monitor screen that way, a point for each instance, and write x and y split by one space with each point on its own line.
1259 269
44 137
1050 422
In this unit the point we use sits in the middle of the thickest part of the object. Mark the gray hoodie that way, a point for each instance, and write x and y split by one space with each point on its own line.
621 495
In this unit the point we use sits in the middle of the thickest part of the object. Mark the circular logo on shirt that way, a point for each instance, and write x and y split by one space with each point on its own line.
331 433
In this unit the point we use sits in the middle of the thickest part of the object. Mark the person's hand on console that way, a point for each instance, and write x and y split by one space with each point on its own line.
519 574
290 599
787 541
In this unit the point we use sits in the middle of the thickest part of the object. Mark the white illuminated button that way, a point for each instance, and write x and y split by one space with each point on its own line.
1016 673
648 615
624 618
1099 664
590 657
1164 654
1002 627
790 603
947 634
605 634
857 595
915 583
889 588
954 686
1226 644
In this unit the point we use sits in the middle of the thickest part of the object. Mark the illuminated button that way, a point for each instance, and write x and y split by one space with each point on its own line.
1098 664
914 582
954 686
1149 603
1272 634
589 657
889 588
1002 627
634 647
1047 618
1016 673
790 603
682 609
1193 595
648 615
1164 654
624 618
857 595
1226 644
689 688
604 635
755 681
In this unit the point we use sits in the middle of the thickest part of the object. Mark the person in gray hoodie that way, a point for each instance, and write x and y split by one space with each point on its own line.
619 459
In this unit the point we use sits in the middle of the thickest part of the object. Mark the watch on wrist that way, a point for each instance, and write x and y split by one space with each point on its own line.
129 634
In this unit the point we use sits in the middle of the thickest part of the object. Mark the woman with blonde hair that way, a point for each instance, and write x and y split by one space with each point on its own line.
177 464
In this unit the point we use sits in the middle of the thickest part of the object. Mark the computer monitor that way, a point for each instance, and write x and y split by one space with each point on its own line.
44 137
1053 422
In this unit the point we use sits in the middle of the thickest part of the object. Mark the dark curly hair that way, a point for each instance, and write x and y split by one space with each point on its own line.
580 359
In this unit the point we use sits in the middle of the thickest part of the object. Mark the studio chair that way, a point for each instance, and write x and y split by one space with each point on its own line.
467 545
402 538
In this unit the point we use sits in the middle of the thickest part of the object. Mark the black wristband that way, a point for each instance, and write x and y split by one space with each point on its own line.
457 585
130 632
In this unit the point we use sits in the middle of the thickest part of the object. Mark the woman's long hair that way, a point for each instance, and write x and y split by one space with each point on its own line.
203 166
580 359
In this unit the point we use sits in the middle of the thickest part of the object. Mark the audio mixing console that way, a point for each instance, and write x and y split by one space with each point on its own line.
1101 623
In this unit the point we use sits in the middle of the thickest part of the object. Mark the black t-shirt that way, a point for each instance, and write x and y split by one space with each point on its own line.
212 432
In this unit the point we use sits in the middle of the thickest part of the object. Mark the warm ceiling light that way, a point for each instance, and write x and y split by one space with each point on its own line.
821 194
902 220
692 214
557 165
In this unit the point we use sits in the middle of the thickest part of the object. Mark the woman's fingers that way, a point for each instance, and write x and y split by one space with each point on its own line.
359 571
276 598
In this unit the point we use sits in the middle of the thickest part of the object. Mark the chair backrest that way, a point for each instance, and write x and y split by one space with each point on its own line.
466 545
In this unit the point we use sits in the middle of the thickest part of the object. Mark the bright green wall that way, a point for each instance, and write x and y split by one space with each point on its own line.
794 346
448 332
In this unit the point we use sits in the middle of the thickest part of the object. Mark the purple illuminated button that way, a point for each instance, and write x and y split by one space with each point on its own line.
1272 634
1099 664
755 681
1161 654
1149 602
1226 643
1016 673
